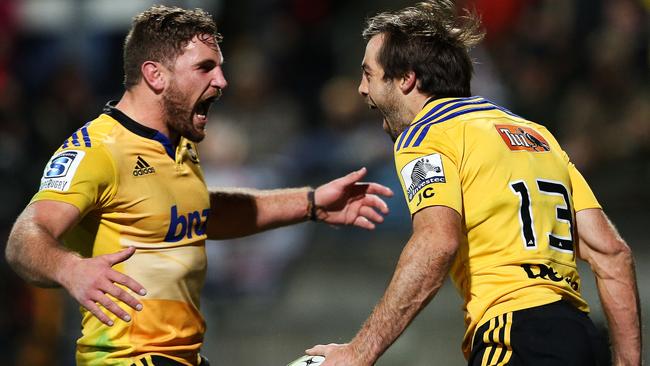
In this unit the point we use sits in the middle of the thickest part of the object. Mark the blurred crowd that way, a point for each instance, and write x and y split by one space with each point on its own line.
291 115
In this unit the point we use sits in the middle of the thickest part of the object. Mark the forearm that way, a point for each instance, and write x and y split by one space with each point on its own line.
241 212
619 296
419 275
36 255
611 261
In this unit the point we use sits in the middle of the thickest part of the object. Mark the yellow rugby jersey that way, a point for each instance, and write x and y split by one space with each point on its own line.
133 189
517 193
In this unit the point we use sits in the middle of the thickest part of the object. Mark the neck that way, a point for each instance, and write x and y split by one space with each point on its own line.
145 109
414 102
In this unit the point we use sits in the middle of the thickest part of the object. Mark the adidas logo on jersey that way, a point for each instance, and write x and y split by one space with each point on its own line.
142 168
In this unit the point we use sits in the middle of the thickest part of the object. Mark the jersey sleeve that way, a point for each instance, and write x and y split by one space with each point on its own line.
429 177
583 197
83 177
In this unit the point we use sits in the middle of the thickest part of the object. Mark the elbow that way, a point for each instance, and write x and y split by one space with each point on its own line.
11 254
625 254
18 247
620 249
613 263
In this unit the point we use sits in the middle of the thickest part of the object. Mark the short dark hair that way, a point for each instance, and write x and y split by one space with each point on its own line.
160 33
430 40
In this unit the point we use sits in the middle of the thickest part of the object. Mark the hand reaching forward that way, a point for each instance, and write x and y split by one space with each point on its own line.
346 201
89 280
339 355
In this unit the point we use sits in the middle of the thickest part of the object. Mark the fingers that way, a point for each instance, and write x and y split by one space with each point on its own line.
103 281
363 223
376 202
94 309
127 281
371 214
123 295
113 308
320 350
120 256
376 188
355 176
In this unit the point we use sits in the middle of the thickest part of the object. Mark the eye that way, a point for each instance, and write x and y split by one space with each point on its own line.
206 66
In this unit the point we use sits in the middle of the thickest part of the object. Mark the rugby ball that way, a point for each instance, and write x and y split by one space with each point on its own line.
308 361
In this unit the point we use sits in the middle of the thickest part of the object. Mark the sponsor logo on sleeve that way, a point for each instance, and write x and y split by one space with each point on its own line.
60 170
519 138
422 172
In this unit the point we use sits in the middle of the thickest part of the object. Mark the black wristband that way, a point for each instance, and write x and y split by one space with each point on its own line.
311 205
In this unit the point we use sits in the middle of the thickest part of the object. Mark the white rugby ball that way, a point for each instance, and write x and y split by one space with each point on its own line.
308 361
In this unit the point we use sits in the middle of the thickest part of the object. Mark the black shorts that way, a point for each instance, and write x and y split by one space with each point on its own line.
548 335
164 361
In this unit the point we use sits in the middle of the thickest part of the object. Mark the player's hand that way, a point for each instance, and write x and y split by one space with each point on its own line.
339 355
89 280
346 201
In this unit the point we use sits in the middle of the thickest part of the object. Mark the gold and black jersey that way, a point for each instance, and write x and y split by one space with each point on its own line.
134 189
517 193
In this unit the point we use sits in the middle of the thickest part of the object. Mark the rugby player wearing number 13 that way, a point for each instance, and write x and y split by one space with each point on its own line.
495 202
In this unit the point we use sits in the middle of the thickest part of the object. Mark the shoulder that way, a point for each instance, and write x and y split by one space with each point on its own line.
92 134
84 149
445 118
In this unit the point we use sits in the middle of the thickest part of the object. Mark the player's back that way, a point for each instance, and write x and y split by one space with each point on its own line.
515 201
518 215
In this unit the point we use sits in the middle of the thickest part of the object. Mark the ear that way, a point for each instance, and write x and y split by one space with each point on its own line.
408 82
153 74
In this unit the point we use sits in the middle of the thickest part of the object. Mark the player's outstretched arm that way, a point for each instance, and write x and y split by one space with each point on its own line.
613 265
343 201
34 251
420 272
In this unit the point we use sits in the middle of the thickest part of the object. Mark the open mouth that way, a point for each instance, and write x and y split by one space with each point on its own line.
203 107
371 104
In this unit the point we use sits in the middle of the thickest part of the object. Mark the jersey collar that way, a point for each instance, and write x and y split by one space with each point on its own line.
435 110
137 128
436 107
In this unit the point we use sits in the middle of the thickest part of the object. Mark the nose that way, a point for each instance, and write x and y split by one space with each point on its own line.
363 88
219 80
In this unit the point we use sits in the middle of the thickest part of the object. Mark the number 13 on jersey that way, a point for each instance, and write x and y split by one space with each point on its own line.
562 213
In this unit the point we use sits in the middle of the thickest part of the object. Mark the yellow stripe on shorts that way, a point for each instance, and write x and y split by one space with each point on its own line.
500 352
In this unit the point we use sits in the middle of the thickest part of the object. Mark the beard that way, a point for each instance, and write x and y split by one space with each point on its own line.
391 109
178 116
392 126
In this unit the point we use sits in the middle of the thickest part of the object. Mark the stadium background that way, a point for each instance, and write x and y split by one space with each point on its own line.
291 117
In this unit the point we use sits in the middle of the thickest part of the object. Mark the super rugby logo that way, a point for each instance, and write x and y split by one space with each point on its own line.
60 170
519 138
421 172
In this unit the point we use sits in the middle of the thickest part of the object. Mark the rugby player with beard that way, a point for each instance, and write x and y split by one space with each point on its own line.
122 213
495 203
